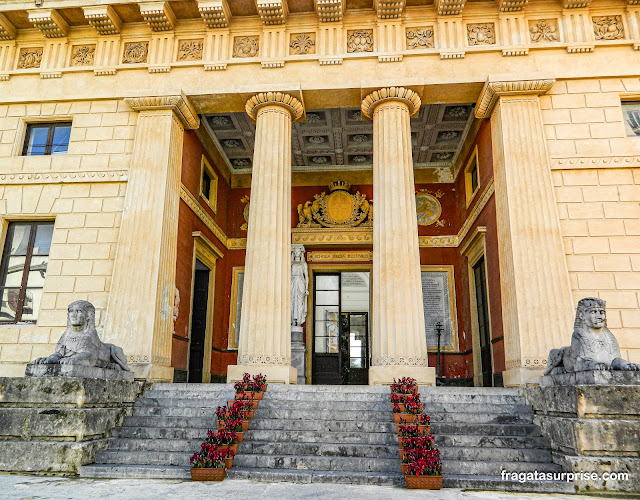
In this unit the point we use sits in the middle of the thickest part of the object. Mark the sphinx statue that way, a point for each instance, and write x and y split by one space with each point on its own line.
80 344
593 346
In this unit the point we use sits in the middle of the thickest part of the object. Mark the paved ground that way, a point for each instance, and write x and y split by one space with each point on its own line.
13 486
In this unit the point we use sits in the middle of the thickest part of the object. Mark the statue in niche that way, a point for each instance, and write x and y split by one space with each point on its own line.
593 346
80 344
299 285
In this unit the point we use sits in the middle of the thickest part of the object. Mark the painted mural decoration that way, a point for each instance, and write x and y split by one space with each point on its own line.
428 207
245 213
339 208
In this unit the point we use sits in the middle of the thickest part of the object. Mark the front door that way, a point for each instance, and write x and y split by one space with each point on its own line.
482 306
341 328
198 321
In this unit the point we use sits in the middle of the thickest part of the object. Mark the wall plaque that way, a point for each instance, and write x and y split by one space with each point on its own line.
237 282
439 306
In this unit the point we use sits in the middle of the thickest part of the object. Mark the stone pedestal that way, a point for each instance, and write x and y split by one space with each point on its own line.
265 336
76 371
298 351
399 346
140 311
592 428
533 274
592 377
53 425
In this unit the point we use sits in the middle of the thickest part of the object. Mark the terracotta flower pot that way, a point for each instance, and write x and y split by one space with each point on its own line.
404 468
202 474
424 482
408 418
264 387
401 395
249 415
256 396
232 447
254 405
228 463
239 438
220 424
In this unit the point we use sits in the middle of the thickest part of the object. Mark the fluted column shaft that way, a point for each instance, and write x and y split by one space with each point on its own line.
265 331
399 345
537 310
139 315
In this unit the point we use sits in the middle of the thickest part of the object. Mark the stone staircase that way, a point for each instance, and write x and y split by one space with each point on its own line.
337 434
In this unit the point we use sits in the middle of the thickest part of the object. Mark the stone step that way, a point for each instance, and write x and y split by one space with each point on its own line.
181 387
297 462
496 483
492 429
490 442
317 476
134 471
284 414
157 458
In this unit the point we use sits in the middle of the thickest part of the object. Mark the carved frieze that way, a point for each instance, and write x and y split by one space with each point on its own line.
190 50
359 40
329 10
302 43
481 34
30 57
608 27
135 52
340 256
338 209
245 213
543 30
215 13
83 55
103 18
246 46
420 38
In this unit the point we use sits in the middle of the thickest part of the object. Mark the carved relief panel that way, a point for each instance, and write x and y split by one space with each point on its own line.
246 46
83 55
30 57
481 34
420 38
338 209
190 50
302 43
135 52
543 30
359 41
608 27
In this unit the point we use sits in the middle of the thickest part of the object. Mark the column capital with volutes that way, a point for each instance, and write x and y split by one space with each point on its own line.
281 99
494 89
401 94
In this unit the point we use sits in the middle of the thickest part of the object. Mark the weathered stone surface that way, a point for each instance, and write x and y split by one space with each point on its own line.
48 456
592 377
76 371
22 391
59 423
599 465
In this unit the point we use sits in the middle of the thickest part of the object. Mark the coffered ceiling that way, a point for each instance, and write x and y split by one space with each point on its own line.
338 138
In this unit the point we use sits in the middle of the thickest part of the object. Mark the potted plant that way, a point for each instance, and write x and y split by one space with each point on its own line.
226 414
224 439
246 399
406 385
415 442
208 464
420 427
425 472
406 413
251 388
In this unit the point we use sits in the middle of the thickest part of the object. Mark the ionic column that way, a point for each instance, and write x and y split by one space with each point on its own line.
399 346
537 310
140 312
265 322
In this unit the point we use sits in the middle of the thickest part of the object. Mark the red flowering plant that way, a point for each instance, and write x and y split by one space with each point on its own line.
231 412
413 454
209 457
233 424
411 407
223 437
410 430
420 419
427 465
417 442
405 398
256 384
406 385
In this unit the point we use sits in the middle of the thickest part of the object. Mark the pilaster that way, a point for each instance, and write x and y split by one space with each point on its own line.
265 324
537 307
399 346
140 311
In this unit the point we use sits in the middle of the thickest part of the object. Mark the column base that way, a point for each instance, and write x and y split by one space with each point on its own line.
520 377
276 374
384 374
152 372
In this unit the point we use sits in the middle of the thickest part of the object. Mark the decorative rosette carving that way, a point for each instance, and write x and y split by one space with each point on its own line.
408 96
290 103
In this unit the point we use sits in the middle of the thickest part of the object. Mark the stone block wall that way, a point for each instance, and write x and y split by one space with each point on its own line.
596 173
83 191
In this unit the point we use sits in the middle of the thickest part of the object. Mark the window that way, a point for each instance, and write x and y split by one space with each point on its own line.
23 268
209 184
631 112
472 177
46 139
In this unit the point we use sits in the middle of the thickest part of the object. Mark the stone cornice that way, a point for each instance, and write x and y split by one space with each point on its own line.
450 7
290 103
329 10
7 30
179 104
103 18
272 11
49 22
511 5
158 15
494 90
65 177
576 4
573 163
194 205
215 13
408 96
389 9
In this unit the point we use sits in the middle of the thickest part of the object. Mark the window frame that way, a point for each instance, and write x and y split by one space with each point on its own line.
470 193
27 265
49 144
628 100
212 196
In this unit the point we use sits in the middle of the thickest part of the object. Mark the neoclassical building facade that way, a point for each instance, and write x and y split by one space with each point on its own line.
160 159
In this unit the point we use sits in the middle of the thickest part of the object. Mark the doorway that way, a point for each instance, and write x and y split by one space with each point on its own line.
341 347
198 322
484 330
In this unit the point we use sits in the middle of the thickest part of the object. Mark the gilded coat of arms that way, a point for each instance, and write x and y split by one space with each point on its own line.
428 207
339 208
